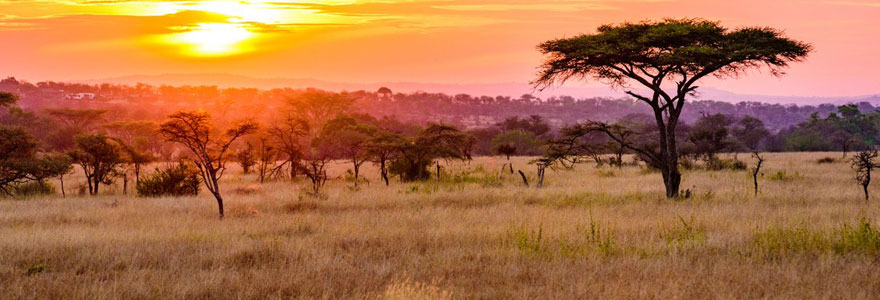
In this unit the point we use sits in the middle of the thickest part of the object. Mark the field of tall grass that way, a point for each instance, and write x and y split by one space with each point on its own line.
475 233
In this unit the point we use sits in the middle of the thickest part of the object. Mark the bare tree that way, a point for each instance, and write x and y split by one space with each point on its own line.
757 169
864 162
267 157
208 147
288 136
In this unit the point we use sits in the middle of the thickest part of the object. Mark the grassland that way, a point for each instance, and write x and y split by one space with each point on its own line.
589 233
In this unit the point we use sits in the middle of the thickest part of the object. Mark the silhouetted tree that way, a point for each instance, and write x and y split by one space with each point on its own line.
436 141
677 52
99 157
267 157
864 162
208 146
757 169
246 157
20 161
381 148
350 140
289 138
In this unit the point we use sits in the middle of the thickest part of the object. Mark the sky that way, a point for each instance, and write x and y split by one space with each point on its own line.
363 41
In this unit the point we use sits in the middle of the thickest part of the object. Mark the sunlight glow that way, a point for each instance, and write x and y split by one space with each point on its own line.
213 39
244 11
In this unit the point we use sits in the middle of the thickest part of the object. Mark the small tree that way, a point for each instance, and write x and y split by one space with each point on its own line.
757 169
515 142
99 157
711 136
864 162
208 148
20 161
585 140
246 157
381 148
267 157
314 163
349 139
436 141
289 136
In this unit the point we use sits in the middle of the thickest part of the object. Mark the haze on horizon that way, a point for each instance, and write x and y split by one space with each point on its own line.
414 41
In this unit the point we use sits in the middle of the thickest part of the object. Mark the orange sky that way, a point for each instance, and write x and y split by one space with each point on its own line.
414 41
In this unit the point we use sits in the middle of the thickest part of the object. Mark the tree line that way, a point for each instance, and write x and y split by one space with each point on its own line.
313 128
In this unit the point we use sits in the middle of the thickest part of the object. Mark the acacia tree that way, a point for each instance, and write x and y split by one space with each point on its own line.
20 161
208 146
267 157
350 139
288 137
668 58
99 157
436 141
381 148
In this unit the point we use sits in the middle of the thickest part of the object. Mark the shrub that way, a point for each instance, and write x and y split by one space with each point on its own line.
179 180
784 176
725 164
826 160
34 188
686 236
861 238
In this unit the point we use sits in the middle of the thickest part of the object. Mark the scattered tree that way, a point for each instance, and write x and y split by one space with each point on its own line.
757 169
383 147
245 157
99 157
864 162
349 140
207 146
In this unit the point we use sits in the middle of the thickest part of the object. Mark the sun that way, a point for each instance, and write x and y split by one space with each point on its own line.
213 39
226 38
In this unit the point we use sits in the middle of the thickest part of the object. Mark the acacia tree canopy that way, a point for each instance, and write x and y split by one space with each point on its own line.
661 54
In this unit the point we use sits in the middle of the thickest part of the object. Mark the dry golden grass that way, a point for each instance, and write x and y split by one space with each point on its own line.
590 233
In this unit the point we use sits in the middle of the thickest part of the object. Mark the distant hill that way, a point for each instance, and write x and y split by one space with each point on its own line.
511 89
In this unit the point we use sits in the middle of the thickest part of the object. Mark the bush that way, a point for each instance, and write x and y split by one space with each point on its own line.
826 160
34 188
179 180
725 164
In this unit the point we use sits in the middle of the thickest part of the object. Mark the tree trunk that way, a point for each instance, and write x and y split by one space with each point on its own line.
125 184
357 168
61 178
215 190
219 203
384 172
541 176
755 177
867 182
525 180
137 174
